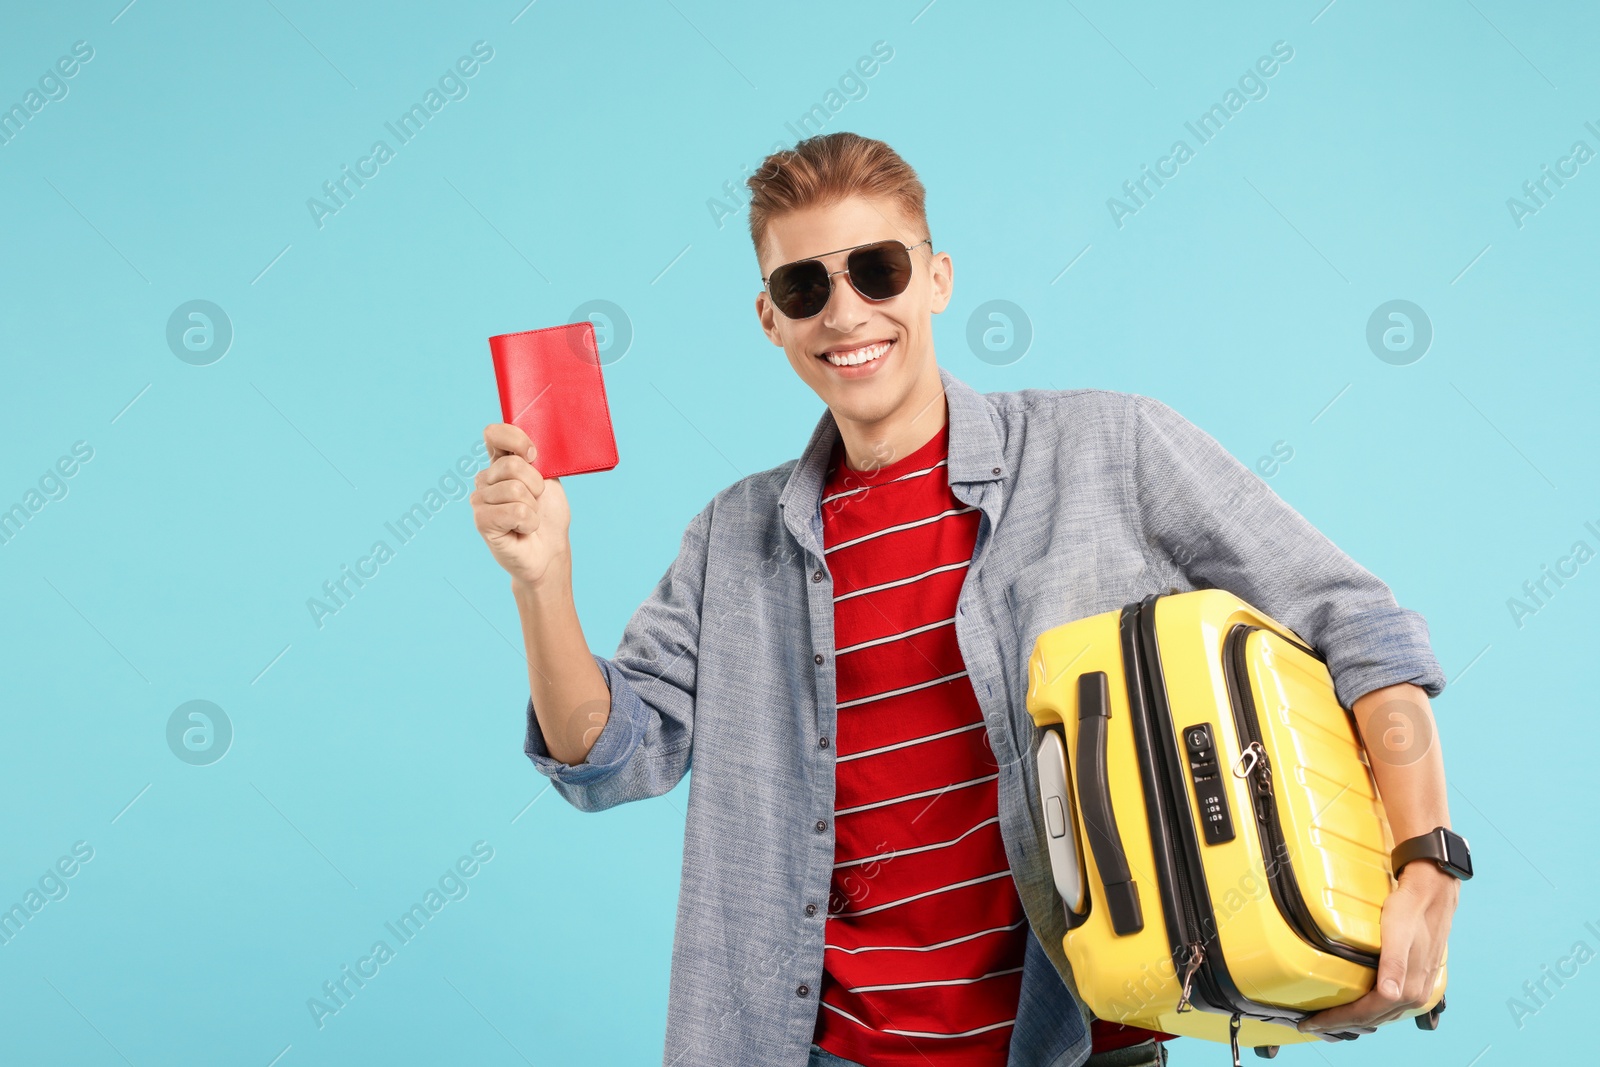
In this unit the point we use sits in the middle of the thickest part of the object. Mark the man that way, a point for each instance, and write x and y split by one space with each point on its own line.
840 651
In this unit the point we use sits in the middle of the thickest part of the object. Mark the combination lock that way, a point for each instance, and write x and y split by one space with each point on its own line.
1208 785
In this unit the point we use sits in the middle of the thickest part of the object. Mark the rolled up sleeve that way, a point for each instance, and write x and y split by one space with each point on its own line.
1209 516
643 750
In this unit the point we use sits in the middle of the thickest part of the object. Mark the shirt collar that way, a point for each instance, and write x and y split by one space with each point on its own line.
975 455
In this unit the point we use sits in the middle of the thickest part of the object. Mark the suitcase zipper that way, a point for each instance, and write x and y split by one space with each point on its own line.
1280 871
1145 675
1197 955
1206 971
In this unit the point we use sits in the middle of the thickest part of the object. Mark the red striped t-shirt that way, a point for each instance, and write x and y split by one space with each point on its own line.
925 933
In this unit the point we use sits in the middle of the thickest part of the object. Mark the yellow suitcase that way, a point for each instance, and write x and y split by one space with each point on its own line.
1215 832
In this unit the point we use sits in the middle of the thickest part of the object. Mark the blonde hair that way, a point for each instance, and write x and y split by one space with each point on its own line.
825 169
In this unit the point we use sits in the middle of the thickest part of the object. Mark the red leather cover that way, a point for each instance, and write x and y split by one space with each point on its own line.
551 389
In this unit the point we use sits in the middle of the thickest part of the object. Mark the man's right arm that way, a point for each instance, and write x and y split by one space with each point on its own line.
524 519
605 731
567 690
636 741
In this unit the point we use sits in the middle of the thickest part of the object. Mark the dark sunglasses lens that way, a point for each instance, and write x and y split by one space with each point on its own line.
880 271
799 289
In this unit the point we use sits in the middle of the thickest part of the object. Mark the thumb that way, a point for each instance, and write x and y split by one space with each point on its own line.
1391 979
1392 956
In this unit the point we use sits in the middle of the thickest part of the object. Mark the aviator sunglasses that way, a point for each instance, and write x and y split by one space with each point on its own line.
877 271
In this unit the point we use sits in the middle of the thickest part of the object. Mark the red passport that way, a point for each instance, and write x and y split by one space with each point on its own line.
551 389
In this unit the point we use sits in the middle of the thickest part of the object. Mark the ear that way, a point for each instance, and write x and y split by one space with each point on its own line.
941 275
768 316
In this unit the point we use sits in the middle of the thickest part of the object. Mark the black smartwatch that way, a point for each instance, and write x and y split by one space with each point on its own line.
1445 847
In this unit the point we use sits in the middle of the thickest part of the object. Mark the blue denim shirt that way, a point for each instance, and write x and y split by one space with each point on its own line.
1090 499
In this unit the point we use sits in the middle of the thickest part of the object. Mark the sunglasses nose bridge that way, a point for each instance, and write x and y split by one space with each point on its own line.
842 307
830 304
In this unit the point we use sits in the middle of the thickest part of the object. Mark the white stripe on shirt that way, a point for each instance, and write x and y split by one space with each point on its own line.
897 527
927 948
902 689
929 893
902 635
917 1033
914 796
919 848
902 581
891 481
942 981
908 744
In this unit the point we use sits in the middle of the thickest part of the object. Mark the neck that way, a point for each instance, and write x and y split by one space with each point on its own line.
871 445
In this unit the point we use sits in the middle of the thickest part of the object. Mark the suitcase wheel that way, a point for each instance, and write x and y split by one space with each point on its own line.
1429 1020
1267 1052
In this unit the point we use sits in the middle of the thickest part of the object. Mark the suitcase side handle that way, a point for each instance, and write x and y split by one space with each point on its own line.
1094 794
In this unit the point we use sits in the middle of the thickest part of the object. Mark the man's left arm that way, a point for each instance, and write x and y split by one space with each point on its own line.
1397 730
1205 515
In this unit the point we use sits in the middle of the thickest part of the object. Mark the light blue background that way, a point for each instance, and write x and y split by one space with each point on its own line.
370 753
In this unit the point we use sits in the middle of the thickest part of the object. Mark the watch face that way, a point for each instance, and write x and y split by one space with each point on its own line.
1456 854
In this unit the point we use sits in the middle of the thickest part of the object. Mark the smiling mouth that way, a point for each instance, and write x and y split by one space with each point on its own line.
854 357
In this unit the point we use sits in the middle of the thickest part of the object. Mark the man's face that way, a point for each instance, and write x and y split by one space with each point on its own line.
905 375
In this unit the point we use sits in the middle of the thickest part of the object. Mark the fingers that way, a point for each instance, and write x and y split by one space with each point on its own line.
1422 969
1412 952
1420 943
1380 1004
504 439
1402 972
1360 1016
508 491
516 517
508 468
509 503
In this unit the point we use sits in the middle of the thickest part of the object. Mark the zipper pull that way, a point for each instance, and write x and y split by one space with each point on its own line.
1233 1037
1252 764
1252 755
1197 952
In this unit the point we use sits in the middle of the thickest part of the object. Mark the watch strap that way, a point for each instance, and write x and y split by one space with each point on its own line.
1435 845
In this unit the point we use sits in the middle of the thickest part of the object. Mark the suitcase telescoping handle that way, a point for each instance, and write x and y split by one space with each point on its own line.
1094 793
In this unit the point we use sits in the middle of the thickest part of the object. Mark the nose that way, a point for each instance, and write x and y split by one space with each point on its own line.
846 309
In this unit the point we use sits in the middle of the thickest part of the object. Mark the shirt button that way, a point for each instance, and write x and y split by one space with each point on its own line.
995 471
802 990
816 576
822 826
817 658
822 742
811 909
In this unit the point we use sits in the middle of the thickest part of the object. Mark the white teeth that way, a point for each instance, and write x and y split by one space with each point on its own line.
858 355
